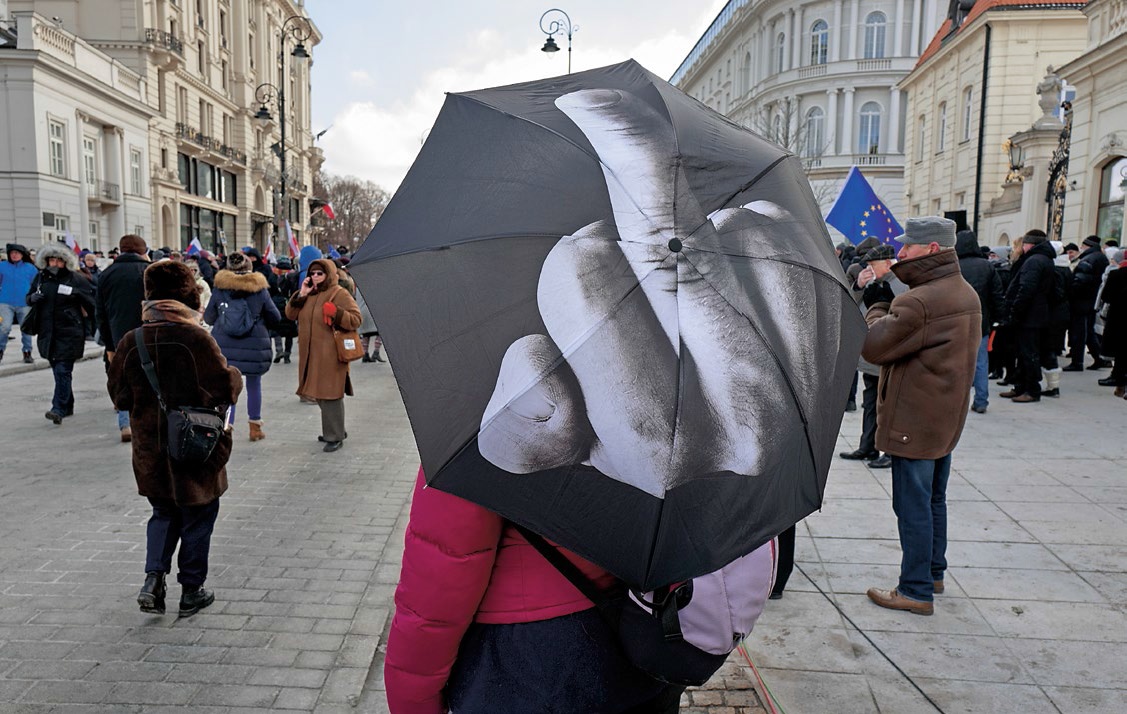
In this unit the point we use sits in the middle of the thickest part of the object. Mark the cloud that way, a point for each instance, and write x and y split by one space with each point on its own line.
378 142
361 78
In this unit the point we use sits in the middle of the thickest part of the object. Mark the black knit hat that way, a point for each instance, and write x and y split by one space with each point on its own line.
1034 237
1070 246
169 280
1092 241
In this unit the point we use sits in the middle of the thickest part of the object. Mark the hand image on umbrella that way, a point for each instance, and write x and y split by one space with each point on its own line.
616 319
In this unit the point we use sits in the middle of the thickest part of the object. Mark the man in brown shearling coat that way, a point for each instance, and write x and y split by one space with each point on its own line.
925 342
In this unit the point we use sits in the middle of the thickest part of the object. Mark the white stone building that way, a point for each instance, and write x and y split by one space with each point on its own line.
210 170
73 140
819 78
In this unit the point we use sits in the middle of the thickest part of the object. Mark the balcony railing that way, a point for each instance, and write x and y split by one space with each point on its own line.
874 65
814 70
104 191
190 133
165 40
870 159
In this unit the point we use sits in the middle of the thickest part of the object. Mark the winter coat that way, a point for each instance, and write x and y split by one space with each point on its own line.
15 280
981 275
63 300
250 353
1090 267
321 375
898 288
463 564
1114 295
191 373
926 343
121 290
1031 282
280 291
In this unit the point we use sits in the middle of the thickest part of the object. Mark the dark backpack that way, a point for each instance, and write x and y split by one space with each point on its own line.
235 317
1058 292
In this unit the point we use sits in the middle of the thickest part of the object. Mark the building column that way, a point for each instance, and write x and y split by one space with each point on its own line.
927 22
893 146
83 189
854 29
116 174
916 20
847 123
836 35
793 37
898 31
799 33
769 51
831 121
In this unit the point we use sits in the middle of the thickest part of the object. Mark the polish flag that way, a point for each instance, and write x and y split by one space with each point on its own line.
195 247
329 212
270 257
72 243
294 247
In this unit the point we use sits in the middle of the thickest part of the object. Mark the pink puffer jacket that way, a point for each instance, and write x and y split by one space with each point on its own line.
461 564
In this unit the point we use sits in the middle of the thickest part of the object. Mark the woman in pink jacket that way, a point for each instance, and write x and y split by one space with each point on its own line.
485 625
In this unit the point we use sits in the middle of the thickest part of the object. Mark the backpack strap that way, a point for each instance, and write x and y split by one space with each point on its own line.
147 365
566 568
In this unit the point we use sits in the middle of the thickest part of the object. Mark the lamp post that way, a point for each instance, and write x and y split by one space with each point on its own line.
266 93
556 25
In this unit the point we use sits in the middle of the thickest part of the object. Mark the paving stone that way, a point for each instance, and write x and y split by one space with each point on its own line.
151 693
236 696
289 677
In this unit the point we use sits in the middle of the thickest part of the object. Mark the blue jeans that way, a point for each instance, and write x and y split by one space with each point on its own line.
919 498
8 313
191 527
982 375
63 400
122 420
254 399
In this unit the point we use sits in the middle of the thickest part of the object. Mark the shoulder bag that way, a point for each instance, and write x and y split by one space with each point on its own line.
193 432
349 347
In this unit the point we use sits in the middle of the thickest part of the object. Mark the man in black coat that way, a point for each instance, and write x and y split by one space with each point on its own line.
1087 276
121 289
984 279
1027 306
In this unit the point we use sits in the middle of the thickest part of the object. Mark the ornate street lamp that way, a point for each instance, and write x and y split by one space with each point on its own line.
554 26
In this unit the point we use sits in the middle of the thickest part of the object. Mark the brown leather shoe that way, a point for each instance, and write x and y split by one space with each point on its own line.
1010 394
893 600
937 586
1026 399
126 435
256 433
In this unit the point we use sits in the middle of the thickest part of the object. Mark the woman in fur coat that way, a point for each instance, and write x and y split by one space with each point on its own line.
63 299
243 295
191 372
319 306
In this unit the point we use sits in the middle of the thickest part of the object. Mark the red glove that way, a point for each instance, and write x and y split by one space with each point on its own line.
329 311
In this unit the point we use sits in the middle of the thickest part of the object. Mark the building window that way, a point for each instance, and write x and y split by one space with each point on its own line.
815 131
223 29
921 126
92 236
135 172
941 129
960 199
780 52
968 111
200 61
868 139
223 75
875 24
819 42
56 134
89 161
1113 186
253 48
62 225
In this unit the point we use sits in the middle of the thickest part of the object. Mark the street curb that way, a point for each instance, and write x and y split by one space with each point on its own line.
40 363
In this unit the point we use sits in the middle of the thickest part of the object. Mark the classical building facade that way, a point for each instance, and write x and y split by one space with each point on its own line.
74 139
1098 150
973 89
211 170
819 78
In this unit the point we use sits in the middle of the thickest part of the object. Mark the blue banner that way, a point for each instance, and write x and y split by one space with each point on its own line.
859 214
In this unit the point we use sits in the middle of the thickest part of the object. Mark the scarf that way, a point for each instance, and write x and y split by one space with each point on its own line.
168 311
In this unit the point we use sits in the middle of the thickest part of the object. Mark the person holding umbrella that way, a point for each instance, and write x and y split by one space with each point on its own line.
321 306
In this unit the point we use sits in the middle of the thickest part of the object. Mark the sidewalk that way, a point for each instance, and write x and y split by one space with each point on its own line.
1033 617
13 355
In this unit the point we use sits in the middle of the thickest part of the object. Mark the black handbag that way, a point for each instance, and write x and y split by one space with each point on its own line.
193 432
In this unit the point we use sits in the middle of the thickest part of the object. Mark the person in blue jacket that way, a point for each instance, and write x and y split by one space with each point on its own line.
16 275
241 314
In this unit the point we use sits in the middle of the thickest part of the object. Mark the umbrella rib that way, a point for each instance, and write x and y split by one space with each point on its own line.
770 167
462 241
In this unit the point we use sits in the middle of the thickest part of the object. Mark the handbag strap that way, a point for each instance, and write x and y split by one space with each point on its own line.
147 365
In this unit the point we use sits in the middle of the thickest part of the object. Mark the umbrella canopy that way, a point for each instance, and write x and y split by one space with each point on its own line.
617 319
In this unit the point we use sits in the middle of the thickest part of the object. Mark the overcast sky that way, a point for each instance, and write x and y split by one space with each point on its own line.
380 74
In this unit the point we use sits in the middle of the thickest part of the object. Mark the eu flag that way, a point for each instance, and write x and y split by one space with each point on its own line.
859 214
333 252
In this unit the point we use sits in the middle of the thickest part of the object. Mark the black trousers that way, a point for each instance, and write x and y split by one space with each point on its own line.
1081 332
869 414
1029 348
786 559
1119 371
191 527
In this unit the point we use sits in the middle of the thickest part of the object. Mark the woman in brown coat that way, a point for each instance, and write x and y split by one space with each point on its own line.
191 372
319 306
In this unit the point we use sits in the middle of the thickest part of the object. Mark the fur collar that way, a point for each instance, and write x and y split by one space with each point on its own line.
168 311
246 282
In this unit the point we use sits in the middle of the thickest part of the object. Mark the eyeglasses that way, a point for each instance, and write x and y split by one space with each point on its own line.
316 272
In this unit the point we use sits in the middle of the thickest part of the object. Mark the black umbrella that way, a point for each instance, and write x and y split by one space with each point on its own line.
616 318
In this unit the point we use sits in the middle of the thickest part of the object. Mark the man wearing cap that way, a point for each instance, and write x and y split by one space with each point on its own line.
1087 276
926 342
1027 305
16 275
878 268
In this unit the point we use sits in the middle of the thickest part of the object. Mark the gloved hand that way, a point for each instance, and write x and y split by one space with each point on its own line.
877 291
34 298
329 312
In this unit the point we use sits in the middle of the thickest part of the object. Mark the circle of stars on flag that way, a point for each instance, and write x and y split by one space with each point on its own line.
873 231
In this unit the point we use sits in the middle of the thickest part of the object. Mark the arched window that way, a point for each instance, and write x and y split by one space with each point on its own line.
780 52
814 132
819 42
941 129
747 78
868 139
874 35
1113 185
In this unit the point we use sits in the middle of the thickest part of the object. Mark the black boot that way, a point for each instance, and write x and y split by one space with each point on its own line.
277 358
151 597
286 357
376 357
192 600
366 358
27 358
1073 367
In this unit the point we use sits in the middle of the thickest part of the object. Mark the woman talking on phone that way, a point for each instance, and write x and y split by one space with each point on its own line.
320 306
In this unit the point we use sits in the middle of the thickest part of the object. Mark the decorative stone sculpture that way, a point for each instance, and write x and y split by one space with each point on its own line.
1050 90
